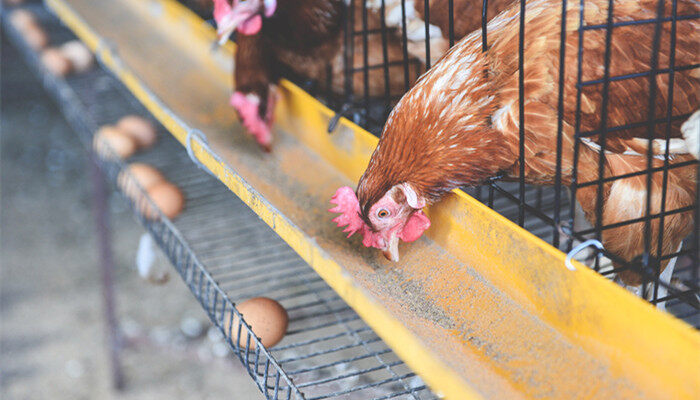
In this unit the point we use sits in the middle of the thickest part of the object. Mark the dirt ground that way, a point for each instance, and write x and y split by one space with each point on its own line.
51 326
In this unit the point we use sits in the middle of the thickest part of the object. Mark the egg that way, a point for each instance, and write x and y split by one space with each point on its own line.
78 54
55 62
21 19
267 318
167 197
145 175
35 37
110 141
140 129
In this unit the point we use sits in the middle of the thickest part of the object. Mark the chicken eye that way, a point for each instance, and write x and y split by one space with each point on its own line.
383 213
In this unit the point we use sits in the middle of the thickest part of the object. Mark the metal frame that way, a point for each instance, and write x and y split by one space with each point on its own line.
106 260
639 354
549 214
328 351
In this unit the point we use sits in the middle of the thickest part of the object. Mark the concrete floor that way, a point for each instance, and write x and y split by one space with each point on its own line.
51 325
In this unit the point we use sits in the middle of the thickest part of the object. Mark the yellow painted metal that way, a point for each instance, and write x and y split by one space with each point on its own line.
480 309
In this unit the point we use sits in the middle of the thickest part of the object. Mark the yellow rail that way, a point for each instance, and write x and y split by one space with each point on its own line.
480 308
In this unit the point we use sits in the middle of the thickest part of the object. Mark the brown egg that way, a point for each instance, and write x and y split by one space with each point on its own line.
55 62
140 129
35 37
21 19
167 197
78 54
145 175
266 317
110 141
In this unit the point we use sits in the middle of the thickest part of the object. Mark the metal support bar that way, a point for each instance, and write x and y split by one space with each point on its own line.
106 261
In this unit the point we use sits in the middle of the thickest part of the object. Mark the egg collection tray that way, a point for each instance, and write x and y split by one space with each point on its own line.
226 254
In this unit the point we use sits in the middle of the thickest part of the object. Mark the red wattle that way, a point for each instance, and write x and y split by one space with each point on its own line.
415 226
251 26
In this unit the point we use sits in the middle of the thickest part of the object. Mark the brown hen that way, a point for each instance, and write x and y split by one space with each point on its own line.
459 125
466 18
307 37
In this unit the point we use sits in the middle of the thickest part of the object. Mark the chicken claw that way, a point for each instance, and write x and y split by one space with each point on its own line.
248 108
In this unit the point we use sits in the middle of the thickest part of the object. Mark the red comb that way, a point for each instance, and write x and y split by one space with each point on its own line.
221 8
348 207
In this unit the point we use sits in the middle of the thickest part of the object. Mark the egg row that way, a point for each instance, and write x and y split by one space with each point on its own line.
122 140
165 196
267 317
70 57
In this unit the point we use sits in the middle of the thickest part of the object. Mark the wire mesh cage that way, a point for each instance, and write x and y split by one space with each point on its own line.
624 80
225 254
330 352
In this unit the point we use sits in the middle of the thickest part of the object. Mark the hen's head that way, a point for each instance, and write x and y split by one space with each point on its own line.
395 215
244 16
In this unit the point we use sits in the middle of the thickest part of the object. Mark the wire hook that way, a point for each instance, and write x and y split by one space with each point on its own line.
202 140
105 46
570 255
333 123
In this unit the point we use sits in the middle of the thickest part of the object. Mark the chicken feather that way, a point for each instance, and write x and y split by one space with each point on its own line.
459 125
306 38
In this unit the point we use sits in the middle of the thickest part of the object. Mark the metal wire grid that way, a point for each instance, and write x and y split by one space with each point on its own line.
684 293
684 287
552 216
361 107
546 211
224 253
557 217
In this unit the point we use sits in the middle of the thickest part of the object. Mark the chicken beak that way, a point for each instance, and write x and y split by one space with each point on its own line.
391 251
241 12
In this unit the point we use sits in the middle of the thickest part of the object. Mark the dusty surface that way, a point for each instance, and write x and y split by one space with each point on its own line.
51 326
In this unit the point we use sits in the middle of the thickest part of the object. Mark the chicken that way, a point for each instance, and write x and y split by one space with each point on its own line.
459 125
305 36
467 17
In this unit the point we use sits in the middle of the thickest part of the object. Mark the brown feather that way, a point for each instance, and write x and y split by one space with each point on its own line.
469 100
254 72
306 37
467 14
467 18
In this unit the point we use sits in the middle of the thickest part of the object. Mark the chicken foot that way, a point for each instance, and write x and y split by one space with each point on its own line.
255 96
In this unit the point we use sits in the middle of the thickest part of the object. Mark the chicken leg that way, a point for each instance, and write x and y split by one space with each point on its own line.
625 200
255 95
665 277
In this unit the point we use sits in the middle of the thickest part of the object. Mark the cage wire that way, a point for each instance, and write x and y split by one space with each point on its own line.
329 352
649 264
374 29
225 254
